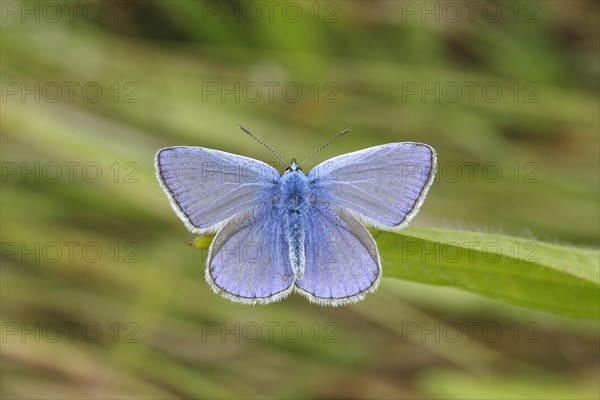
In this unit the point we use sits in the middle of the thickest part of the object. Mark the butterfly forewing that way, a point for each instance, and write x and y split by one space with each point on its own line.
385 185
206 187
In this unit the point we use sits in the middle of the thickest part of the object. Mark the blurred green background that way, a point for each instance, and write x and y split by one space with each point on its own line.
102 298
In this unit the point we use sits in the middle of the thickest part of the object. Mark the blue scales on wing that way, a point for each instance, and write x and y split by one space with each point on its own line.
383 185
206 187
249 259
342 262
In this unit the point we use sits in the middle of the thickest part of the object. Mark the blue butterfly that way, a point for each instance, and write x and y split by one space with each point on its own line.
276 234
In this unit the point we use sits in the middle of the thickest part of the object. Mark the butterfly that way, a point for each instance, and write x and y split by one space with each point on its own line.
293 232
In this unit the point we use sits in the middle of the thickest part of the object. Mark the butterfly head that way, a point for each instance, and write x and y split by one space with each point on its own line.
293 167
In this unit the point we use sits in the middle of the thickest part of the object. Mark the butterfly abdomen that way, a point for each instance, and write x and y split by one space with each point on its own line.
293 208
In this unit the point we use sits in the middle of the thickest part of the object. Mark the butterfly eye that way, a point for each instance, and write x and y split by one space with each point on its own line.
293 168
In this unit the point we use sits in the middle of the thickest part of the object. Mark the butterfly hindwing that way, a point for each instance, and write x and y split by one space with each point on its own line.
248 260
342 261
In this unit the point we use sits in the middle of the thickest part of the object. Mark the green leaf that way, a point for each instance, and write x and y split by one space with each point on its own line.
450 385
561 279
201 242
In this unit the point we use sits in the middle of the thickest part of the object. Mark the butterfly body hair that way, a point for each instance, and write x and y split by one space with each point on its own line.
293 207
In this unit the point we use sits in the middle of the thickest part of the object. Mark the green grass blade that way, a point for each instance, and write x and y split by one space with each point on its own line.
556 278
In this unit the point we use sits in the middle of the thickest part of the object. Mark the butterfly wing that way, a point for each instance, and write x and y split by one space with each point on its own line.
249 261
206 187
384 185
342 261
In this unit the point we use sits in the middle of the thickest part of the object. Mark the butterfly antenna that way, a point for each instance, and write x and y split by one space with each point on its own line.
268 148
325 145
